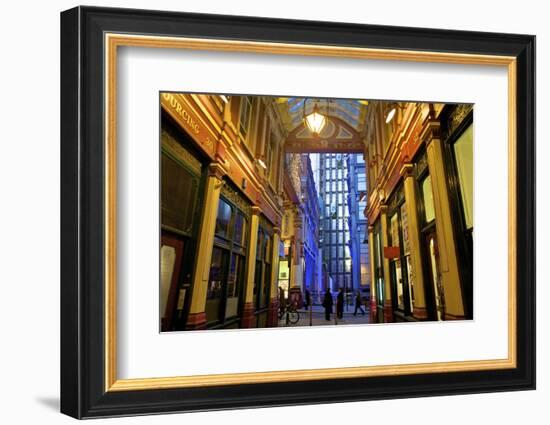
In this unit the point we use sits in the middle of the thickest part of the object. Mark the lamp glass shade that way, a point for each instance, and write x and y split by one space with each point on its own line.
315 121
390 115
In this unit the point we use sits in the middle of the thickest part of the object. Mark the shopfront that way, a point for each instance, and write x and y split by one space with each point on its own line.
458 134
435 293
182 179
263 275
379 271
401 269
224 296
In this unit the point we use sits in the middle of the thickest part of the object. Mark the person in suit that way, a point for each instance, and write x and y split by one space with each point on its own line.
358 304
340 304
308 299
327 304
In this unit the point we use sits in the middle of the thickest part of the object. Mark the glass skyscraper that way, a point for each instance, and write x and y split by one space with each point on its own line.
334 230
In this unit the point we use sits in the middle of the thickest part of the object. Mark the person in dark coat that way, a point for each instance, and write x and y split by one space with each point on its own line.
327 304
282 301
308 299
358 304
340 304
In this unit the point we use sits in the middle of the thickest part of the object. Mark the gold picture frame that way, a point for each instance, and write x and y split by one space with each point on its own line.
114 35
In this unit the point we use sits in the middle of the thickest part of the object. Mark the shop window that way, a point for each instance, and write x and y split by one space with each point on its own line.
215 284
378 269
433 271
407 254
239 233
262 277
227 265
245 115
464 159
224 218
264 302
427 195
167 263
395 264
234 284
179 189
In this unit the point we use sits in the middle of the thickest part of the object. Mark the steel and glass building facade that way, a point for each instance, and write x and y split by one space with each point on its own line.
335 231
357 221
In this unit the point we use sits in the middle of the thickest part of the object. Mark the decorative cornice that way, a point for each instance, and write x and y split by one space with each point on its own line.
215 169
430 131
237 198
407 170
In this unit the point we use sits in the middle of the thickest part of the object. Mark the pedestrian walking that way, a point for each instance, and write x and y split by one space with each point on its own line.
327 304
340 304
358 304
308 299
282 302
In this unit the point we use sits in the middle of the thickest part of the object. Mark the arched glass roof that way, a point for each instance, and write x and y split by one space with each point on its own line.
350 111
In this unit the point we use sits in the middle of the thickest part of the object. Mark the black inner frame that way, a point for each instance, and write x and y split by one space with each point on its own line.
82 211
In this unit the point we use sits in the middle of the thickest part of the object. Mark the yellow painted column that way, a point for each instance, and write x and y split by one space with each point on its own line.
197 315
274 290
275 264
388 310
247 319
409 183
295 292
373 303
448 264
296 276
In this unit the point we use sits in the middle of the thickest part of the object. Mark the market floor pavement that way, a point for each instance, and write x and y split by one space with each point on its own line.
316 317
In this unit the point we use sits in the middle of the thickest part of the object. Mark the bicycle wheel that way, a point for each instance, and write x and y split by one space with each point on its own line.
293 317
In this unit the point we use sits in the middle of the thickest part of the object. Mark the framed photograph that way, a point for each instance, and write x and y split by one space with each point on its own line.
261 212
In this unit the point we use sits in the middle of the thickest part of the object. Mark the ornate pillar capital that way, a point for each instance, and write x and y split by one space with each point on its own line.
255 210
430 131
407 170
215 169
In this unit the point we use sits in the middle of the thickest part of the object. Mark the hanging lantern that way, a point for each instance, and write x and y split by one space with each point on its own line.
315 121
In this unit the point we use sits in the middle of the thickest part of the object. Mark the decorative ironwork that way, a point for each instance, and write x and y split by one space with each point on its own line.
236 198
456 117
172 145
266 224
396 199
295 173
421 165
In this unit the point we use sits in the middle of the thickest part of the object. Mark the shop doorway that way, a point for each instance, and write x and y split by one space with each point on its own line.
171 300
434 275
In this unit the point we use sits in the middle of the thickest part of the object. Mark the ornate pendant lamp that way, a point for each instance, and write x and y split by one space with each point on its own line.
315 121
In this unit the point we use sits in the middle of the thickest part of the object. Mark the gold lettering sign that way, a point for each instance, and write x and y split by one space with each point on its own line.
182 112
187 118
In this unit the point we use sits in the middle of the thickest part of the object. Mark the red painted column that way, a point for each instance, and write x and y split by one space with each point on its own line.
373 316
248 319
273 315
388 312
196 321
